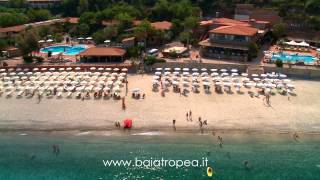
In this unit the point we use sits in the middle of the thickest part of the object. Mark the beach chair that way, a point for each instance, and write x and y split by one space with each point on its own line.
20 93
9 93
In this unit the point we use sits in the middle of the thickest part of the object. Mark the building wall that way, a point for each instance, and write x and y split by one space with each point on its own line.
241 17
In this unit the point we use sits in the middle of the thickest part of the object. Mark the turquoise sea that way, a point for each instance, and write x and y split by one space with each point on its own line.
270 157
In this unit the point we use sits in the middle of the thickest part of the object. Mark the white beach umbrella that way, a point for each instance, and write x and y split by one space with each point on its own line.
93 68
167 73
175 82
218 83
157 73
214 74
18 69
195 69
186 73
176 73
154 81
77 68
224 74
234 74
254 75
61 69
204 74
204 69
116 69
213 70
167 69
159 69
185 69
234 70
223 70
263 75
2 70
124 70
108 69
244 74
12 73
195 74
177 69
52 69
116 89
286 80
69 69
206 83
282 76
35 69
238 84
20 73
256 79
291 86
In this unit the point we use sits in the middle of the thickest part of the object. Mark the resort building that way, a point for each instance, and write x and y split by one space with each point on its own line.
102 55
8 32
229 42
247 12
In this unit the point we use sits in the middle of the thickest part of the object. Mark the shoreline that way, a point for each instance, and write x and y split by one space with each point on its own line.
160 130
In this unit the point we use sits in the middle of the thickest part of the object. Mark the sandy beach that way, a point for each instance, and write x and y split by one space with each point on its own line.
222 111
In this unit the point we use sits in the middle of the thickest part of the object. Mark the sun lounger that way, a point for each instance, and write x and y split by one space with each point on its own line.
9 93
20 93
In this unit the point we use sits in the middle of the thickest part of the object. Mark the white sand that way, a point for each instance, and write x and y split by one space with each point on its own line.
222 111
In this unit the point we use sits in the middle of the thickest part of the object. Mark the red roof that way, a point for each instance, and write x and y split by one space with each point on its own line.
162 25
72 20
229 22
103 51
12 29
235 30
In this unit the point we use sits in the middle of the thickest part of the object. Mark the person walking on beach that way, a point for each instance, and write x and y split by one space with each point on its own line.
295 136
123 104
39 98
220 141
187 116
205 122
174 124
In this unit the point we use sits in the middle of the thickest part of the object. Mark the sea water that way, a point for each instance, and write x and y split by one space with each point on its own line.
25 155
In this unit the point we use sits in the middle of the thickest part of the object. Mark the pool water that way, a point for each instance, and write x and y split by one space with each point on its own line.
65 49
293 57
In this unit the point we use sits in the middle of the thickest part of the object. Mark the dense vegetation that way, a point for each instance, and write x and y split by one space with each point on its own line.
182 13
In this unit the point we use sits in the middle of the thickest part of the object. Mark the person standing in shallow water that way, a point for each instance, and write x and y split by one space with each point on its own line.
174 124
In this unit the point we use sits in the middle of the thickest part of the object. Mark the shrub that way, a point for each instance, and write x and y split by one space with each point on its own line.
27 59
39 59
150 60
279 63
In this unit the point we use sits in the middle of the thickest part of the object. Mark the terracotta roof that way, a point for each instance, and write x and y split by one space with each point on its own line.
229 22
162 25
266 15
12 29
103 51
110 22
72 20
235 30
128 39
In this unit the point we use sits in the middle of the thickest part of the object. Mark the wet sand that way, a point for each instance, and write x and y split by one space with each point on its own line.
237 112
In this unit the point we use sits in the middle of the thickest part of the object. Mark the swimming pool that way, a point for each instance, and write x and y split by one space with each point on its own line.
286 57
65 49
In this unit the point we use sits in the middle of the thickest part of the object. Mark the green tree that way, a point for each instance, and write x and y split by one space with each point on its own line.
83 6
184 37
28 42
278 30
17 3
12 19
39 14
143 31
83 29
253 51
